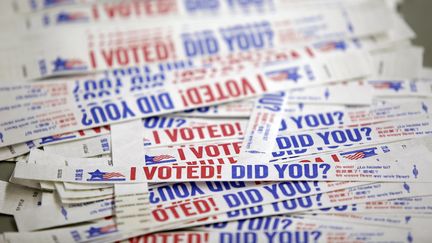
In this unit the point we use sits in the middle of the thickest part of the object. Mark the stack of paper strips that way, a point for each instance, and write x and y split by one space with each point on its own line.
200 121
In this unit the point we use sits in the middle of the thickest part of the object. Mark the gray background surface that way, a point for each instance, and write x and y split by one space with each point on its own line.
418 14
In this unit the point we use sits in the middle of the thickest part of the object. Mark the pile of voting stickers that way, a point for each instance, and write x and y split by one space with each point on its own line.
201 121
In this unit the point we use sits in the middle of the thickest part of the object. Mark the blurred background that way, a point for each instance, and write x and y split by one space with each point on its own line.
418 14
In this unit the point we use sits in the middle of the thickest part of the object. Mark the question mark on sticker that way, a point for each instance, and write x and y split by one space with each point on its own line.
318 199
339 115
316 235
316 186
180 122
287 223
368 131
283 126
326 168
85 120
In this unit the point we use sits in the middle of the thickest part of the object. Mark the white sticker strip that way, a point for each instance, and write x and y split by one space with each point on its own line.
22 148
57 215
352 93
114 12
263 127
237 109
397 165
15 198
188 190
346 116
132 206
411 206
399 88
83 148
161 42
42 157
196 208
89 232
81 194
400 63
278 223
70 101
317 141
359 194
376 219
376 235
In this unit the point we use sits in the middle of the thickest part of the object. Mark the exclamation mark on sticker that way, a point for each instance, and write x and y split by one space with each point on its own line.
184 99
132 173
318 198
212 202
317 188
206 237
219 171
238 127
335 158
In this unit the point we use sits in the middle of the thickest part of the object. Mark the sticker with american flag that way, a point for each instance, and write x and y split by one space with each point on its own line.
392 85
158 159
285 74
359 154
98 231
98 175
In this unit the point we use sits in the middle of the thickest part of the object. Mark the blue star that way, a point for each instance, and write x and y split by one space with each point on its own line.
93 231
340 45
407 219
63 17
59 64
96 175
396 86
292 74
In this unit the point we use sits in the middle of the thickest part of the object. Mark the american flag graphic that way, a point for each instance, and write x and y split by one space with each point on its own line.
161 157
112 175
108 228
73 63
55 2
98 231
355 156
70 17
394 85
278 76
359 154
291 73
64 64
329 46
